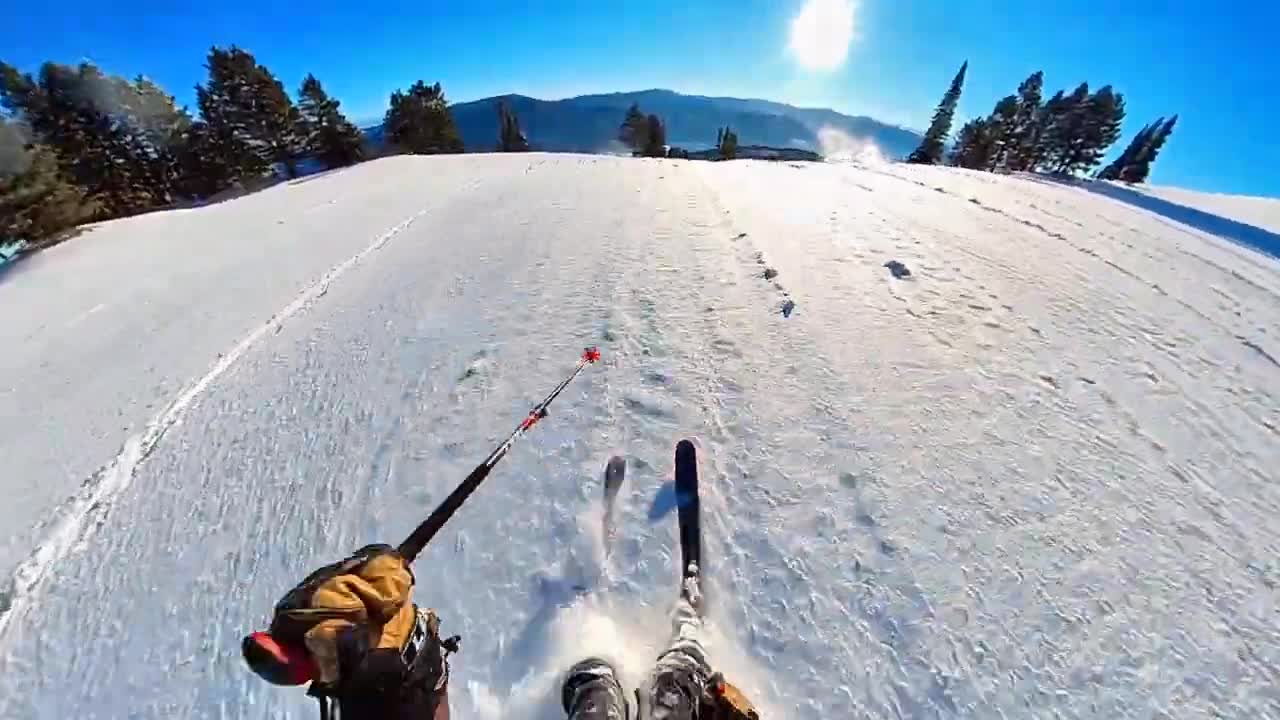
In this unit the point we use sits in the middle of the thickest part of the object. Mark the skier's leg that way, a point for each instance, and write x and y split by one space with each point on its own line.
591 692
681 673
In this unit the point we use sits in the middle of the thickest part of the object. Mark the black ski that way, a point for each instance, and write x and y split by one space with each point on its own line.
614 473
688 509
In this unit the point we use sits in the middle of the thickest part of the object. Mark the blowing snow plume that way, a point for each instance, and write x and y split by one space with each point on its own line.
15 158
839 146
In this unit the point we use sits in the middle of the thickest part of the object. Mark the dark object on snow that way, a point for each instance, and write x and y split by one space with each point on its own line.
788 305
899 270
770 273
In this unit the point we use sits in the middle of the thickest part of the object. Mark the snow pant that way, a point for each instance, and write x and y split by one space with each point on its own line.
674 689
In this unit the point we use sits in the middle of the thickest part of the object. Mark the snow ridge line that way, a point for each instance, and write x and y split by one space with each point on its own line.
76 519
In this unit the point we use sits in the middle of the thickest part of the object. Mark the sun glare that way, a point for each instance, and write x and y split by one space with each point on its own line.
821 33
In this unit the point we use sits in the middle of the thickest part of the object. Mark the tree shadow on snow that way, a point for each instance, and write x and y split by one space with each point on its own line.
525 661
12 265
1250 236
303 179
520 688
552 595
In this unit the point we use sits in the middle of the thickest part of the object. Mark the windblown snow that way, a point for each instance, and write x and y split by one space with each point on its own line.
1039 476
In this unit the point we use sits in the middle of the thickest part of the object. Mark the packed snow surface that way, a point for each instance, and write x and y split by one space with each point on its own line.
1039 476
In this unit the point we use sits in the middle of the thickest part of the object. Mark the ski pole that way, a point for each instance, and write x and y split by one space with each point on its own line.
422 535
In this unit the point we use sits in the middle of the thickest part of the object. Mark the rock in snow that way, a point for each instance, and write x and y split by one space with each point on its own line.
899 270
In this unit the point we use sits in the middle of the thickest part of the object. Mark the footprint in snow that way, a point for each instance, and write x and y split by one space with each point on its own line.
656 377
648 404
480 364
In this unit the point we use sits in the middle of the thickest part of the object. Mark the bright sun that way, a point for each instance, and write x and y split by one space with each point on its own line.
821 33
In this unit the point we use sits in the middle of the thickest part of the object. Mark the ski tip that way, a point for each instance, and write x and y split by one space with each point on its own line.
685 448
614 472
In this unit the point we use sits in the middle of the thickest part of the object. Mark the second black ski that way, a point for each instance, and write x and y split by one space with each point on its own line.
614 473
688 509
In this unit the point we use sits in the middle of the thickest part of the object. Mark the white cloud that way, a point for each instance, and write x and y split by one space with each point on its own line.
821 33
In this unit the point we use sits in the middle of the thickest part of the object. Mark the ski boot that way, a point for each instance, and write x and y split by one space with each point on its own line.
591 692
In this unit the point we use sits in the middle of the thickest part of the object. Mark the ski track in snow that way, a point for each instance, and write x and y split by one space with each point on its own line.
76 520
1038 478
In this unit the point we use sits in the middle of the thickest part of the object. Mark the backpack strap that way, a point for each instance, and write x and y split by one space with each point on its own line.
326 702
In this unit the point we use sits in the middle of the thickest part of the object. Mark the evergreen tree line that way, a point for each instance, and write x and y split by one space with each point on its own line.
646 136
78 145
1134 164
1067 134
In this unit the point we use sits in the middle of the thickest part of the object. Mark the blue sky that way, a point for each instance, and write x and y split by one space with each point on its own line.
1212 63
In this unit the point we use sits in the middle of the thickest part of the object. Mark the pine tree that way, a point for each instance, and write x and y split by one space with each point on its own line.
1139 168
1037 155
419 122
219 150
1088 125
974 147
39 204
1067 128
656 135
1104 114
158 127
727 143
1020 154
249 114
959 156
1131 152
229 133
110 137
280 123
634 131
326 132
1002 132
510 138
209 163
275 121
931 147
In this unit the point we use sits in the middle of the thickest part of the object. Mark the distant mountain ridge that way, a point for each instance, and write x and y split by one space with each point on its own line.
589 123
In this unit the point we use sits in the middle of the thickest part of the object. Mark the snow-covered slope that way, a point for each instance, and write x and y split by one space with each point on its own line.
1039 477
1260 211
